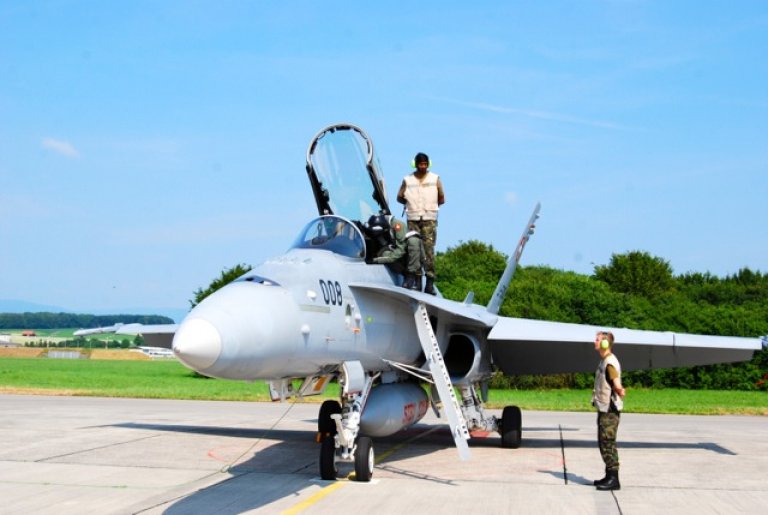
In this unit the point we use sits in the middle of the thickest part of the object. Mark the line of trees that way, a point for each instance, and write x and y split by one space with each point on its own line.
46 320
88 343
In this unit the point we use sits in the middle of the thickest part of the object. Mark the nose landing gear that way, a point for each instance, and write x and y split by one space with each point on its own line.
338 427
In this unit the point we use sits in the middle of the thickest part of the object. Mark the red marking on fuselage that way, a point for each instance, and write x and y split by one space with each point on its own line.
409 413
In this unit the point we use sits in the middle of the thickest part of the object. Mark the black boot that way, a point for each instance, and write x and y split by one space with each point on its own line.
601 481
417 286
409 282
612 482
430 286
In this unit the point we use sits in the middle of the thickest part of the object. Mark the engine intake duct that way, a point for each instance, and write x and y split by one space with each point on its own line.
462 357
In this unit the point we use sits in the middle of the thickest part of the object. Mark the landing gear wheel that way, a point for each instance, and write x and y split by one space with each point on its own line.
511 427
364 459
328 468
326 426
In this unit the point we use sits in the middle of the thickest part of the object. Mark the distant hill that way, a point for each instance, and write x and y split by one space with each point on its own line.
21 306
46 320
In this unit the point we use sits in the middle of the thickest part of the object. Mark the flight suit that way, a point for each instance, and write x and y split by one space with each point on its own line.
406 251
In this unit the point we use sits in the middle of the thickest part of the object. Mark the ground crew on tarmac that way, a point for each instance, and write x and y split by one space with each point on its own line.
400 248
607 397
422 193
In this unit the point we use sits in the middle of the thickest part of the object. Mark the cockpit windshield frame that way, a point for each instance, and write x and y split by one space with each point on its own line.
333 233
344 174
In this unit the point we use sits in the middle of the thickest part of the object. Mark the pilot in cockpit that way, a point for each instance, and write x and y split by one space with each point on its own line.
403 250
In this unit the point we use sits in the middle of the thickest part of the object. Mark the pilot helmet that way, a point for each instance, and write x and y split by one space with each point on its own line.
378 224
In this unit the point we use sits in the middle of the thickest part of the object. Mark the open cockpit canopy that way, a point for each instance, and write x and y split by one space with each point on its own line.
345 174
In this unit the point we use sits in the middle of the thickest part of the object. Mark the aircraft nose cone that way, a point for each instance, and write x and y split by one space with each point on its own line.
197 344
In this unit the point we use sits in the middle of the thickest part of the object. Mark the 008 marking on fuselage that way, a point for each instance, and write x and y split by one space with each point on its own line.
331 291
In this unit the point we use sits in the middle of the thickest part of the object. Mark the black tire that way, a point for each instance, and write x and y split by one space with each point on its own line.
326 426
511 427
328 470
364 459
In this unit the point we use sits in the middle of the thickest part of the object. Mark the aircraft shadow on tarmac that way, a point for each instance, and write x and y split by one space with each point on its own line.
283 454
296 454
583 444
438 439
230 432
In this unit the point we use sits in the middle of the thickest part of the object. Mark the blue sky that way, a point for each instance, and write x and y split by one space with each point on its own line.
147 145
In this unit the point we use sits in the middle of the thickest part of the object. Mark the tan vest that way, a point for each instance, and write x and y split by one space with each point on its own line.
603 394
421 197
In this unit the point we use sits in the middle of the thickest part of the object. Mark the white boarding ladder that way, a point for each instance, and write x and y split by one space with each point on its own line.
442 380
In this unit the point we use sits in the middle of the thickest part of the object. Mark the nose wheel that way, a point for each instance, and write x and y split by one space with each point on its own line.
338 426
328 468
364 459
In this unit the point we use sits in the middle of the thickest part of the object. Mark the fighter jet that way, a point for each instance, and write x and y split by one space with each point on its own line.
323 312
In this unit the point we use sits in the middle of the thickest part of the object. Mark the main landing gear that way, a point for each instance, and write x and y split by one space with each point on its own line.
509 426
338 427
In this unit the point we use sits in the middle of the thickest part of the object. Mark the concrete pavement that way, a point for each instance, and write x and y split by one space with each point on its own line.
96 455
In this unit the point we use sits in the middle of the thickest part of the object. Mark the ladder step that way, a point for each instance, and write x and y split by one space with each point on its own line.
442 379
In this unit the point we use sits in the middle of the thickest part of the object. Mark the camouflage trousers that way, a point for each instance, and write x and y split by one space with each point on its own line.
428 231
607 427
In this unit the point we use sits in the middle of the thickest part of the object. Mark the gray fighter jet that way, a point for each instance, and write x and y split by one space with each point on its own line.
322 312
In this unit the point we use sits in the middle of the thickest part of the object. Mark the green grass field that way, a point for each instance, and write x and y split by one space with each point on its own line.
45 333
168 379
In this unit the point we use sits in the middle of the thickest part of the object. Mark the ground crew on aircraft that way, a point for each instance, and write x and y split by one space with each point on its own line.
607 397
399 247
422 193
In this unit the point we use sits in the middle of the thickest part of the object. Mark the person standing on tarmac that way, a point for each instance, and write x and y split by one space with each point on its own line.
607 397
422 193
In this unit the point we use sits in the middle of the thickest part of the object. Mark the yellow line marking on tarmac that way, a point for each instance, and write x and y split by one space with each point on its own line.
306 503
303 505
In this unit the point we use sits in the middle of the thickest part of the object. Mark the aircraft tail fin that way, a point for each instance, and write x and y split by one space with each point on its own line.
501 289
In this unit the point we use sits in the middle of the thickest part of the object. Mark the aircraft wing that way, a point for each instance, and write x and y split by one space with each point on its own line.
457 312
522 346
155 335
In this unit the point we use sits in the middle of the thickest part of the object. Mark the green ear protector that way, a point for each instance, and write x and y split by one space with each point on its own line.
420 157
604 343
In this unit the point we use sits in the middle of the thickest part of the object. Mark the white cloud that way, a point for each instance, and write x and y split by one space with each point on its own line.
541 115
510 197
63 148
